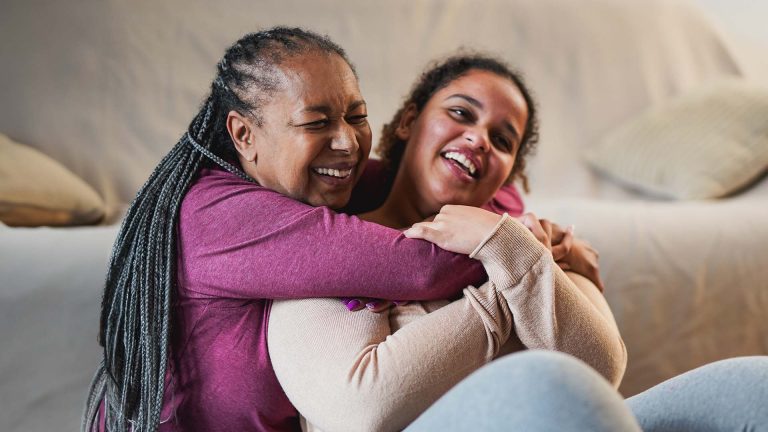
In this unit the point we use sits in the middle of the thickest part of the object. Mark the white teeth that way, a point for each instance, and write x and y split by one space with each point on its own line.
331 172
460 158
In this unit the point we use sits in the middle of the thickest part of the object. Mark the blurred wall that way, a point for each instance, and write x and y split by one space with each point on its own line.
743 18
106 86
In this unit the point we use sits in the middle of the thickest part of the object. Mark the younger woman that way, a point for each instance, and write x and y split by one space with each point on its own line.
456 140
463 133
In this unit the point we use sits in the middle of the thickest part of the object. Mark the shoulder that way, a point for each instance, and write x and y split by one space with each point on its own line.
218 192
216 185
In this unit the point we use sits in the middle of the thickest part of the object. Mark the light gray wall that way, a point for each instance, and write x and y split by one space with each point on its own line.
743 18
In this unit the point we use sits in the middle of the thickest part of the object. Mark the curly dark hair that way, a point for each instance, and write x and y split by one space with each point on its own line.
437 76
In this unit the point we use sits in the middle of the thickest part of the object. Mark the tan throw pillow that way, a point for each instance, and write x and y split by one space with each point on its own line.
36 190
705 144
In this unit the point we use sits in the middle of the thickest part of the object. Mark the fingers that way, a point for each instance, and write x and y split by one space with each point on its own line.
373 305
424 231
456 228
561 249
558 233
547 226
530 221
354 304
378 306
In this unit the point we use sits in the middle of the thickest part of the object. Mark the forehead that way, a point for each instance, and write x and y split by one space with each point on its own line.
317 78
499 95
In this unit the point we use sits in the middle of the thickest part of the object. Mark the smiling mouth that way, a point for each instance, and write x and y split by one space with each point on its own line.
333 172
462 162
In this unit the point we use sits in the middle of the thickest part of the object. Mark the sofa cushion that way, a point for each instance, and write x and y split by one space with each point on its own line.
704 144
36 190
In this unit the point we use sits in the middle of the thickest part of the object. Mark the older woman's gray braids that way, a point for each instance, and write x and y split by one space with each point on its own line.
221 162
141 279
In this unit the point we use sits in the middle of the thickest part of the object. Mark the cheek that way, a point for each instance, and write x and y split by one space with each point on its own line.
364 139
427 141
503 168
294 162
441 131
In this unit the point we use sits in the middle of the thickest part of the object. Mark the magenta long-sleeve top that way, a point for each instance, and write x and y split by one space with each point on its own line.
239 244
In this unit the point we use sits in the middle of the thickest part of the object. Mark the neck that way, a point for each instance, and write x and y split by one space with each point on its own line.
401 208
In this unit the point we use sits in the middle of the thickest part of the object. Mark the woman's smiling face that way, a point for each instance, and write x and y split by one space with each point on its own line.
461 147
314 139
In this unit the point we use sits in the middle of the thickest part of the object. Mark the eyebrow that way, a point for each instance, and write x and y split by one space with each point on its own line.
478 104
325 109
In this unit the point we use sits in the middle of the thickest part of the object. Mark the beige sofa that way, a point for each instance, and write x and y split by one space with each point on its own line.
106 87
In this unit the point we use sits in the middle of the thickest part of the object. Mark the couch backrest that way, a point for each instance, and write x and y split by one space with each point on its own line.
107 86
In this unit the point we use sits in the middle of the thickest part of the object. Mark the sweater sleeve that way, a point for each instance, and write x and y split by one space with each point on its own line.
552 310
240 240
353 373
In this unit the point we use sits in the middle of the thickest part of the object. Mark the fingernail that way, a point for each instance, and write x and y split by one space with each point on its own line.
352 305
399 302
372 305
571 228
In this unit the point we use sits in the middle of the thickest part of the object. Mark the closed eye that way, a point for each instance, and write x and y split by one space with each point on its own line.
317 124
357 119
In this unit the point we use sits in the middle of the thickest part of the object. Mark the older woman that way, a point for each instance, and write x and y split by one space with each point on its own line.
236 213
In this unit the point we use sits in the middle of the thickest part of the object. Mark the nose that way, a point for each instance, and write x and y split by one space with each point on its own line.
478 139
345 140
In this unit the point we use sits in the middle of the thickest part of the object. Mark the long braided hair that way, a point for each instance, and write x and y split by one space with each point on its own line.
141 279
437 76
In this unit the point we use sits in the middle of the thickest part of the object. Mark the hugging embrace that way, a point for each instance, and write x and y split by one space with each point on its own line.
223 309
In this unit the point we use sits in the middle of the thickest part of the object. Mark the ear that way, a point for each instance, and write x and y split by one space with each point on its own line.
410 114
241 131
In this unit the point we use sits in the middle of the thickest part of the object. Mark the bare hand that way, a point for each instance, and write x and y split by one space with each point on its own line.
558 240
583 259
456 228
562 240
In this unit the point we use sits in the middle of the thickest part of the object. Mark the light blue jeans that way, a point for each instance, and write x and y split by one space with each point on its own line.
549 391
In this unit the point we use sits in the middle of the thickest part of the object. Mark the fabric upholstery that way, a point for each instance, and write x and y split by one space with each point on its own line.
36 190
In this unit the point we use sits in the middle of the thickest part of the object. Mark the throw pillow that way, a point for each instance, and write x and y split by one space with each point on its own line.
706 144
36 190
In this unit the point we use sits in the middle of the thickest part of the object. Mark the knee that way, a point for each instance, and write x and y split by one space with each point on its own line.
757 365
724 395
548 389
738 373
544 371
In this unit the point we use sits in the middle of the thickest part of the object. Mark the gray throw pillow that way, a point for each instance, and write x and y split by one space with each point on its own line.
705 144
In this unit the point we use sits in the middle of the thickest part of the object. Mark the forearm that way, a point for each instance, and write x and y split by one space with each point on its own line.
240 240
552 311
354 373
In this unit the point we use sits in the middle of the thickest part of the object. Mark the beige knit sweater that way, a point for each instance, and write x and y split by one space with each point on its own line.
363 371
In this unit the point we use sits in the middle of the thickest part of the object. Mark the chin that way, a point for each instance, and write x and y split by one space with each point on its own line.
334 203
445 197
